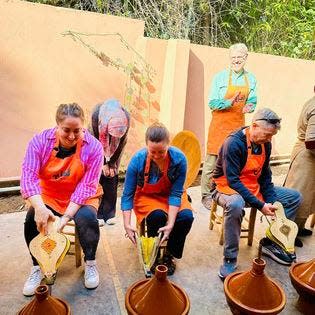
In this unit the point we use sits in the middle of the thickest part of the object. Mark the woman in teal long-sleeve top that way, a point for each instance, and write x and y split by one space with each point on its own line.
233 93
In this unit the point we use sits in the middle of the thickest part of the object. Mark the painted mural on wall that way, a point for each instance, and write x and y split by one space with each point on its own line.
139 90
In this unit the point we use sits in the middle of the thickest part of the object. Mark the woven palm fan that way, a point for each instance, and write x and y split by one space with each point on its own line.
282 231
148 248
49 251
188 143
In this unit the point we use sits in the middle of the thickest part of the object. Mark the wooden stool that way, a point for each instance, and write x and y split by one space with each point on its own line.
313 221
74 240
247 230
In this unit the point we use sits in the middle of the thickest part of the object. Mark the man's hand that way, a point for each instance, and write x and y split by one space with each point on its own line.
167 229
105 170
42 216
247 108
131 233
269 209
234 97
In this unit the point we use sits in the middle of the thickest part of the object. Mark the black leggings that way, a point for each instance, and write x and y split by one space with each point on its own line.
86 223
176 241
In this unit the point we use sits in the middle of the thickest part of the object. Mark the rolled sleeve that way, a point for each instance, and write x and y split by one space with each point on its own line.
252 96
130 185
177 189
87 187
30 170
218 91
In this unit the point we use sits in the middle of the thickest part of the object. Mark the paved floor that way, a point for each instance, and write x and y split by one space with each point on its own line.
119 268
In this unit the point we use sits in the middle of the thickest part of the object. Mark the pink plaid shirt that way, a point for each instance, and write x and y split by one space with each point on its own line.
38 152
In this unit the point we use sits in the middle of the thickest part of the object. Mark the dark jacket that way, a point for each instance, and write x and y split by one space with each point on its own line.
232 159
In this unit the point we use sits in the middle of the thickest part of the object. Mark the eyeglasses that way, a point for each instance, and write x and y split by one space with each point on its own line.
271 121
239 57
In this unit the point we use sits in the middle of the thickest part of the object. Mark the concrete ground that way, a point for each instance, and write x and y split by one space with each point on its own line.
119 268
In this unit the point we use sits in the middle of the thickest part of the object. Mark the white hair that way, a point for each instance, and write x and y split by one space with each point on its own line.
239 47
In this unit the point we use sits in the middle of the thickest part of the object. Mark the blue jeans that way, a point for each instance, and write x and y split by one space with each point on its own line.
233 206
86 223
176 241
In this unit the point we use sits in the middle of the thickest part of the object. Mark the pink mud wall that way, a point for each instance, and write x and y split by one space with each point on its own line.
284 85
40 69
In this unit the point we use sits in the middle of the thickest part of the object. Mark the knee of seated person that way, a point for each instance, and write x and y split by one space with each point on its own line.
86 214
30 215
185 215
156 215
236 207
298 197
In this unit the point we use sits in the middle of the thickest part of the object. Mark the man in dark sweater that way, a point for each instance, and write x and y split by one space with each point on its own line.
243 177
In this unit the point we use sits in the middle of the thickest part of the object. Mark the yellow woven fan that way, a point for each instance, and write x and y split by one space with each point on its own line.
49 250
187 142
147 251
282 231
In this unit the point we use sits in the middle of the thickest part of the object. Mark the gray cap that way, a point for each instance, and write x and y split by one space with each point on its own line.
267 115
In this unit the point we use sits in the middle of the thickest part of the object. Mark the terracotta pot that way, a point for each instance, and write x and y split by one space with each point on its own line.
303 279
43 303
156 296
252 292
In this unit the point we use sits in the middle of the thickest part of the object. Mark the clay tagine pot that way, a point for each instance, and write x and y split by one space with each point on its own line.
252 292
44 303
156 296
303 279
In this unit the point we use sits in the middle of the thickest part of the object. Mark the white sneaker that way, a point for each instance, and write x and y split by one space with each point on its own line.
91 277
101 222
33 281
111 221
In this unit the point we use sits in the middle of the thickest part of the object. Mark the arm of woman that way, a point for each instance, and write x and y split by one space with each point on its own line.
128 197
175 197
87 187
42 213
130 230
167 229
30 188
68 215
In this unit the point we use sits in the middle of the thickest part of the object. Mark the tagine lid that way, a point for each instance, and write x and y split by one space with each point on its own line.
254 291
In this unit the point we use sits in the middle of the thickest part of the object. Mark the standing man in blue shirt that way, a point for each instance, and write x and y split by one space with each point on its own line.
233 93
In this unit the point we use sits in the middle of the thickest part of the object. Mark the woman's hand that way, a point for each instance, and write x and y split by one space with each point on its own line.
109 171
62 223
131 233
166 230
42 216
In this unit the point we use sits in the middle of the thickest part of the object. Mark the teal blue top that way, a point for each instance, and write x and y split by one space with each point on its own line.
220 84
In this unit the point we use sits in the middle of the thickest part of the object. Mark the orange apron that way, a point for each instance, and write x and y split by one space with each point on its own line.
249 174
225 121
151 197
60 177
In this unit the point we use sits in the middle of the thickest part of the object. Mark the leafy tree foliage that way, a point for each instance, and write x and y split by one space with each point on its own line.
279 27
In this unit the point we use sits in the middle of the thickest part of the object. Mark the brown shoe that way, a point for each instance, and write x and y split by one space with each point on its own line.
206 201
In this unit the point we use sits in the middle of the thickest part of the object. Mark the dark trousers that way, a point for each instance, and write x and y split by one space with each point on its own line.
107 208
176 241
86 223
